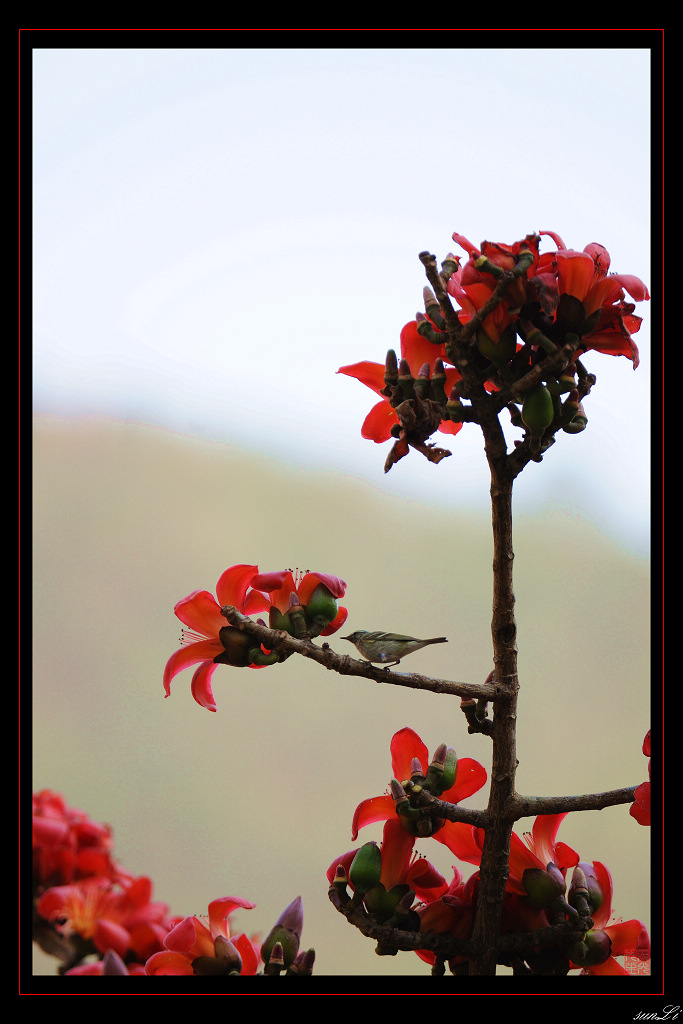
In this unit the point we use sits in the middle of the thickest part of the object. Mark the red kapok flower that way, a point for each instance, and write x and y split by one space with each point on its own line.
473 286
207 943
406 745
538 849
626 937
417 351
584 276
315 592
68 844
400 865
209 640
109 915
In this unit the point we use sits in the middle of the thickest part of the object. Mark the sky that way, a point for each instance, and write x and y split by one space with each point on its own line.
217 231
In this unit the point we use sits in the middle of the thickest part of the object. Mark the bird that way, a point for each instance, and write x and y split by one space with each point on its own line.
388 648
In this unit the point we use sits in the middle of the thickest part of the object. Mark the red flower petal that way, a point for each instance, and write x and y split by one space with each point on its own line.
397 847
220 910
168 962
201 685
470 777
203 650
405 745
370 374
233 585
377 808
378 422
461 840
337 622
200 612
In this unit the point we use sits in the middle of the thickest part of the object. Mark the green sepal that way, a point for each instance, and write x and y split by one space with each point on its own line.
259 657
276 620
237 647
321 609
382 904
450 771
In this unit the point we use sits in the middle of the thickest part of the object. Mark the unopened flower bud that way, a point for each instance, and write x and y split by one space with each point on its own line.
287 932
366 868
422 382
454 406
595 948
442 771
537 409
542 887
391 368
405 378
585 883
303 964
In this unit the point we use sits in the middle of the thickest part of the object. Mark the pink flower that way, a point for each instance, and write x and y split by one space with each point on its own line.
110 915
68 844
205 945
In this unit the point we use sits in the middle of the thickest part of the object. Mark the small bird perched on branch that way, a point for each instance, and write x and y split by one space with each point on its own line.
388 648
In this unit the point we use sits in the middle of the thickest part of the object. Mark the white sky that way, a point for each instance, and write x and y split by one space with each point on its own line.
217 231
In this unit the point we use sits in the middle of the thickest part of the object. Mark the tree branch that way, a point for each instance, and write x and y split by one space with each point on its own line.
279 640
528 806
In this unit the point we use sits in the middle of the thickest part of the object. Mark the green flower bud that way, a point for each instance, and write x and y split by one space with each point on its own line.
585 881
286 932
542 887
537 410
422 381
595 949
442 770
366 868
391 368
500 352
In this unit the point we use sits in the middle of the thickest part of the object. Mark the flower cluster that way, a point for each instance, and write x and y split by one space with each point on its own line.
387 879
99 919
562 292
208 640
559 301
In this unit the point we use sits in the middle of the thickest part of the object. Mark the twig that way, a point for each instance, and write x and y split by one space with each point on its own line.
278 640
